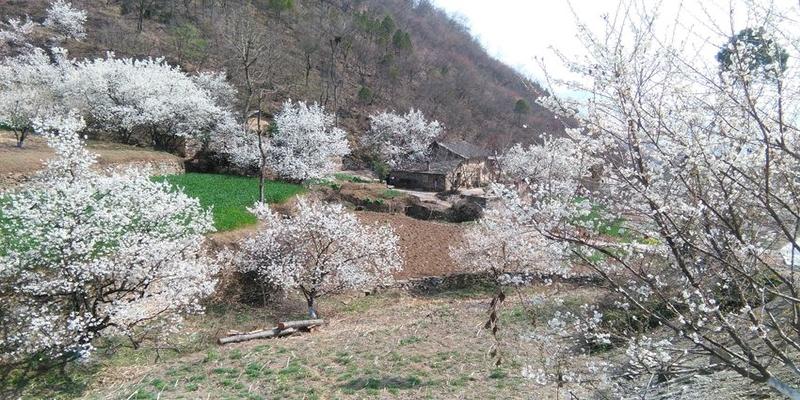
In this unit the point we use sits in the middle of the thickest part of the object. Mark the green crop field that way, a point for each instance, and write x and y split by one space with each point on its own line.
230 196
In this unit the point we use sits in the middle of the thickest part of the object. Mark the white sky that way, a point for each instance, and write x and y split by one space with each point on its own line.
518 31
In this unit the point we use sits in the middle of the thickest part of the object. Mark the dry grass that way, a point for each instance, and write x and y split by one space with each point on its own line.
389 345
29 159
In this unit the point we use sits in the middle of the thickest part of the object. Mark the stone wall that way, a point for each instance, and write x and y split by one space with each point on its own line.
470 174
418 181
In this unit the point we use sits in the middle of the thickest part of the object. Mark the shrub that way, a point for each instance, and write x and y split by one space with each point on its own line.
465 211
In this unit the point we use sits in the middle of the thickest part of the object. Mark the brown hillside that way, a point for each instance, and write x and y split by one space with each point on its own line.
354 56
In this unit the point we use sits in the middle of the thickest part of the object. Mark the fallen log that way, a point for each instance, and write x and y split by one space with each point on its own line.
283 329
276 332
306 323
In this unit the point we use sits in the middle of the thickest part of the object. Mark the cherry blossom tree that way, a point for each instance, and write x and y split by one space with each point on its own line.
306 144
556 160
65 20
62 22
85 254
321 249
31 86
116 95
15 35
126 96
510 252
400 138
702 164
504 246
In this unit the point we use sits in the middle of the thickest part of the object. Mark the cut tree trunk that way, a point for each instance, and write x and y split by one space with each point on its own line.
283 329
276 332
307 323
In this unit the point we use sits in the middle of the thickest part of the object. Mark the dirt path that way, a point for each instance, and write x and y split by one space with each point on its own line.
425 245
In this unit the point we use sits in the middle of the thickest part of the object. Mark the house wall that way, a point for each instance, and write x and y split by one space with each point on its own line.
417 181
469 174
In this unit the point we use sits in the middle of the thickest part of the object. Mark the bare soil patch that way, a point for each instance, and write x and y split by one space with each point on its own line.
16 164
424 245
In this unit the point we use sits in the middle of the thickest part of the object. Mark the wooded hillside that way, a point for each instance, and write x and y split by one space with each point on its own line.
353 56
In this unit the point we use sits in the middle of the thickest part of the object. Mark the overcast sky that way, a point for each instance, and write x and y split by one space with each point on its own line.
518 31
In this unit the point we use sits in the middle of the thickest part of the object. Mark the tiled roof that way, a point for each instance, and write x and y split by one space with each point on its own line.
464 149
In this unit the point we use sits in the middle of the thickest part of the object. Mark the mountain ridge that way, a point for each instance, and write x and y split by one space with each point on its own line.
356 57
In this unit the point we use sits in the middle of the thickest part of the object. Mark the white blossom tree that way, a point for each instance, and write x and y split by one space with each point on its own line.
505 247
65 20
62 22
15 35
400 138
557 159
305 145
31 86
510 252
85 254
701 160
321 249
121 96
129 96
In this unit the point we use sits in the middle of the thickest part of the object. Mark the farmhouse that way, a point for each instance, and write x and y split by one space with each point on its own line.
452 165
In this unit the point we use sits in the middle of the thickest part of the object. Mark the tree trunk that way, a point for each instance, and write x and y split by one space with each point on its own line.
262 156
312 308
20 135
306 323
261 180
276 332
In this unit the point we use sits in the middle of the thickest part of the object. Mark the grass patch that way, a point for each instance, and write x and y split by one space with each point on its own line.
391 194
603 223
349 178
498 374
410 340
229 196
390 382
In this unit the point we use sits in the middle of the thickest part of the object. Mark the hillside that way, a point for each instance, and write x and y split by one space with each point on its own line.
18 165
354 56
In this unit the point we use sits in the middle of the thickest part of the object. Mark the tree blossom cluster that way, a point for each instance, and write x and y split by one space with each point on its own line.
84 254
506 247
305 144
30 86
396 139
62 22
319 250
15 34
700 159
125 97
65 20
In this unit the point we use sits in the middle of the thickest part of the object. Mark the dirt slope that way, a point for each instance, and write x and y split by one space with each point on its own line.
16 165
424 244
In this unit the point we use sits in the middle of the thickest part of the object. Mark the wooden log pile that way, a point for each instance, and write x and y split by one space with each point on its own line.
283 329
